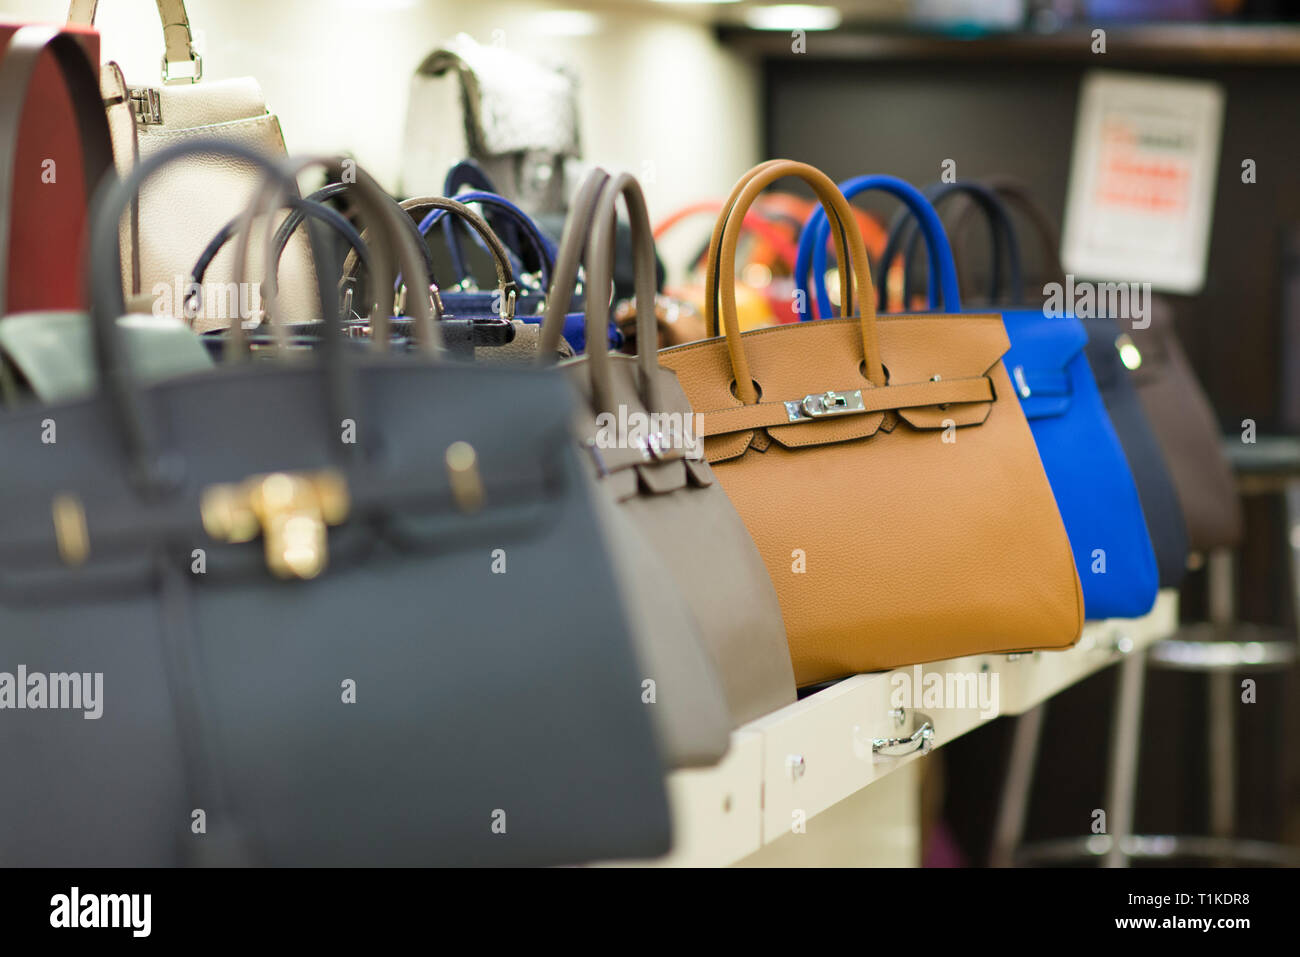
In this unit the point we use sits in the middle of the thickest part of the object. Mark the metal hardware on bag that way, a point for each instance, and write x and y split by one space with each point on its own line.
821 405
508 295
920 741
1022 385
289 509
70 529
147 105
654 447
196 62
462 470
1129 353
795 766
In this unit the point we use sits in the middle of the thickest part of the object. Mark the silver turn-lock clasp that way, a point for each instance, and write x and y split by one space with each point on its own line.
821 404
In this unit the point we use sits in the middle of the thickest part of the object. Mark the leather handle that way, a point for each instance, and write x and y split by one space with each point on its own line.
19 63
564 278
786 251
1001 232
177 38
390 244
600 287
498 212
300 209
1020 196
421 205
812 246
720 297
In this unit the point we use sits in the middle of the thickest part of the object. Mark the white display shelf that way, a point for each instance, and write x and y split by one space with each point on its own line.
790 766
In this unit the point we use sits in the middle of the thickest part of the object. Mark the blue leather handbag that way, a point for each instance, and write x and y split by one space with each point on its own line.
1080 451
1156 487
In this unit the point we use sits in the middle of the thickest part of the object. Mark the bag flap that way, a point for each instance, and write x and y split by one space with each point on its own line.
1042 348
936 366
194 105
248 419
638 450
54 352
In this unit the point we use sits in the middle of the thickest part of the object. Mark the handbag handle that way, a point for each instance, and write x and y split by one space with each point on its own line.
17 67
720 297
944 291
509 213
391 229
153 471
289 225
467 174
903 236
177 39
594 218
564 279
300 209
419 206
754 221
1017 194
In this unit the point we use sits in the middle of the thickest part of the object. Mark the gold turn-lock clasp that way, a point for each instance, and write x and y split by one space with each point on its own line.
290 510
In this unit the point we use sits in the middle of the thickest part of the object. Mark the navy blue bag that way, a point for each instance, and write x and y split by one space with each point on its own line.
1076 441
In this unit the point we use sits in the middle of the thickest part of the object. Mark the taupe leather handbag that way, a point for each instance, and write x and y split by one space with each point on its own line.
883 466
1182 419
179 211
660 478
689 704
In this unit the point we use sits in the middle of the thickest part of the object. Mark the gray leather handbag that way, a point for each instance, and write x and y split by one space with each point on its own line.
239 636
662 484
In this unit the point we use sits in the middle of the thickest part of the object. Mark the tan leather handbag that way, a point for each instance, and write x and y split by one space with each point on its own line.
179 212
657 474
883 466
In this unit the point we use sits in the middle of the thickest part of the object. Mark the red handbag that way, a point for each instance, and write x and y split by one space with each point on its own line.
54 174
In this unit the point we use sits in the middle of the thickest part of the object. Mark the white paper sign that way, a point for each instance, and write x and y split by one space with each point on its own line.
1142 177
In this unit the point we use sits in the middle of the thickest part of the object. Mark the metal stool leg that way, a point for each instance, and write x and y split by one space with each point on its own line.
1222 704
1125 741
1010 829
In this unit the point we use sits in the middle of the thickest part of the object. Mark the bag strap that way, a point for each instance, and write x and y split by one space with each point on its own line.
720 297
178 41
18 66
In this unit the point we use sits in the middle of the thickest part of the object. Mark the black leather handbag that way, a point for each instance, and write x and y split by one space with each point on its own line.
242 637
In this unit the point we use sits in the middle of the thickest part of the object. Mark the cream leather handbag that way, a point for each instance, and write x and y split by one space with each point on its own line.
180 211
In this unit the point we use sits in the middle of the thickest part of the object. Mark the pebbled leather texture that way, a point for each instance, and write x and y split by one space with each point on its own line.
894 537
1160 503
1081 454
